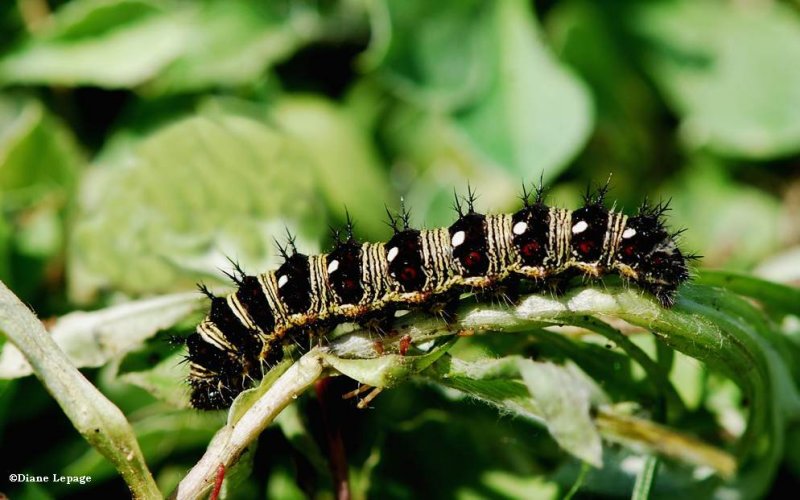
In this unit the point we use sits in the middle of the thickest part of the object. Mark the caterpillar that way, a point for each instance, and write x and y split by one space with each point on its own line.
244 332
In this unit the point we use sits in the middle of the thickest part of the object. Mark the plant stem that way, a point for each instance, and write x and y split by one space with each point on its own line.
98 420
231 440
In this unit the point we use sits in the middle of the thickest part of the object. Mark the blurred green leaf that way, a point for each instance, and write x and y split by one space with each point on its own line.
629 127
170 46
479 99
283 485
342 159
729 223
537 114
728 70
39 167
170 210
110 44
234 42
38 155
506 485
431 52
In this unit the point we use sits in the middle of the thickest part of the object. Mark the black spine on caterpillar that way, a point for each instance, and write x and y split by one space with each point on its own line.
243 334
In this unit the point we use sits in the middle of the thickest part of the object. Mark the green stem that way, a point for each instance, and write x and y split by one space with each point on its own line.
645 479
711 325
98 420
779 296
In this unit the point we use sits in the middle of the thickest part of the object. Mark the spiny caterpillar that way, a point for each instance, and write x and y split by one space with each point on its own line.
360 282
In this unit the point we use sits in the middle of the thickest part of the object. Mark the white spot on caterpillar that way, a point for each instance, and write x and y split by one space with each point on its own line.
458 238
520 228
333 266
392 254
629 233
579 227
282 281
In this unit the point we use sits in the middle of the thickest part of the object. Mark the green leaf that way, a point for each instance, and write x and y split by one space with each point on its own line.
109 44
433 52
341 156
645 479
38 155
507 485
92 339
537 114
163 380
85 19
234 43
39 166
170 210
386 370
282 484
629 123
563 394
728 69
729 223
777 295
168 46
479 98
557 396
727 335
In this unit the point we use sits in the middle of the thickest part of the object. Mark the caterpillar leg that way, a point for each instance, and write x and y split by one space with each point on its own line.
364 402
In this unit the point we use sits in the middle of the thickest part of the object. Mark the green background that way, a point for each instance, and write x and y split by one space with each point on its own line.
143 142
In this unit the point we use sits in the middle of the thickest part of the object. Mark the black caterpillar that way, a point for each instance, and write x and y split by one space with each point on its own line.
357 282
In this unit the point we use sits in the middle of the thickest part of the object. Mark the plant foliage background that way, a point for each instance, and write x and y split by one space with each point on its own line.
142 142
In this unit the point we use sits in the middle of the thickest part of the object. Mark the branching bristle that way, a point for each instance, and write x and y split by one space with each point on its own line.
237 275
457 204
598 196
291 241
205 291
402 220
281 250
470 199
